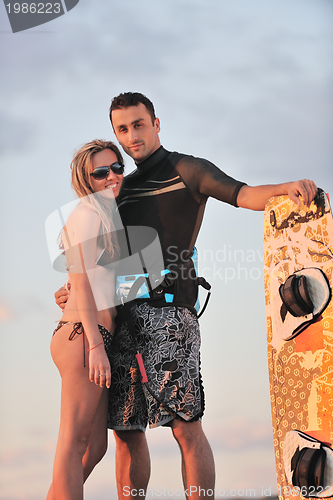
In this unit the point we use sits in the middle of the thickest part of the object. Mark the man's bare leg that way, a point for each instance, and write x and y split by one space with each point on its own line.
132 464
198 466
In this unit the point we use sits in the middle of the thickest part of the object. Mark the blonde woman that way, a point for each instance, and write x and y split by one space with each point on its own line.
82 338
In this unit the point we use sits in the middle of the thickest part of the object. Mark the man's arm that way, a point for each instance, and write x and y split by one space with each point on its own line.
256 197
61 296
204 180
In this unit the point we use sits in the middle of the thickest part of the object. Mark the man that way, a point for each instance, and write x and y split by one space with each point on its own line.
168 193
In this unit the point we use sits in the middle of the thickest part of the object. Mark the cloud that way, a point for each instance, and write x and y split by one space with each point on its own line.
240 433
244 70
5 312
167 42
161 442
17 305
17 133
237 434
18 457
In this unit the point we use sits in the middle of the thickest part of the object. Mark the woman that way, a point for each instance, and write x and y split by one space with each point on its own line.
82 338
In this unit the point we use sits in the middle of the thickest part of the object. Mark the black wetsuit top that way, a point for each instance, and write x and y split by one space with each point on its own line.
168 192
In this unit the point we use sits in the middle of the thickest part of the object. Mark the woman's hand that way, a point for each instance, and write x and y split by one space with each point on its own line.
99 367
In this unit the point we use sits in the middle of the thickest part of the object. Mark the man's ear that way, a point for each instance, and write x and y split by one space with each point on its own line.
157 125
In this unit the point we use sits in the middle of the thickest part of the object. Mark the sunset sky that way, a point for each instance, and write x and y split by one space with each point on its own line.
245 84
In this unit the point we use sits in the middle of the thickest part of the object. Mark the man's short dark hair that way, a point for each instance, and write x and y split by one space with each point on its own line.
128 99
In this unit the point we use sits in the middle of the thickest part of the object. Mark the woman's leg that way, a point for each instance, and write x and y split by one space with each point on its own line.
80 402
97 444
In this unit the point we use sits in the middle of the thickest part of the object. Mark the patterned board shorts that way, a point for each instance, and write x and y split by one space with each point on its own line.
169 340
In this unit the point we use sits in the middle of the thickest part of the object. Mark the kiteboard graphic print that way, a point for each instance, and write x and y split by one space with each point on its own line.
298 260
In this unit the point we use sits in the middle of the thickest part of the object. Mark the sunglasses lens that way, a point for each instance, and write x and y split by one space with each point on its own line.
117 168
100 173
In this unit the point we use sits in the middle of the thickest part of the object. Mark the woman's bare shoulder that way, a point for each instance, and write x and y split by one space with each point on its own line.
83 222
82 213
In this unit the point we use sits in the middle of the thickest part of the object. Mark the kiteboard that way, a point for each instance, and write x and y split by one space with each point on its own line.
298 270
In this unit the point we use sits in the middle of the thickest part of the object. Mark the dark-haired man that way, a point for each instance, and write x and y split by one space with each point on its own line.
173 190
168 193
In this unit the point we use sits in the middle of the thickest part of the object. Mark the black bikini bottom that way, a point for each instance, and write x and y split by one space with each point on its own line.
78 330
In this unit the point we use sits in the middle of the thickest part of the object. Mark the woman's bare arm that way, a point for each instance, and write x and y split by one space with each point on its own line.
82 230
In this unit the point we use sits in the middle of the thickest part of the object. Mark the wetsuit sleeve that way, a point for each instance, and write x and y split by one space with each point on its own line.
204 179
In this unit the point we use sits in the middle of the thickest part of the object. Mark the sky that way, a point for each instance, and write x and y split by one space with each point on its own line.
245 84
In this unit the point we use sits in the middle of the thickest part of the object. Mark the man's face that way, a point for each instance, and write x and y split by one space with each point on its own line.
135 132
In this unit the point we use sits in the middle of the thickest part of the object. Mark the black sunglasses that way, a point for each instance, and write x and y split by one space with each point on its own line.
101 173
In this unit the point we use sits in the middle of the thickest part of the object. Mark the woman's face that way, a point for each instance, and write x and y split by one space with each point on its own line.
113 181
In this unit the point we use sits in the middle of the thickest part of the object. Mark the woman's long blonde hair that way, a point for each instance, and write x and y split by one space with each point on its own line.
81 184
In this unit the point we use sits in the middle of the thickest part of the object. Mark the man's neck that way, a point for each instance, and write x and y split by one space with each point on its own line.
138 162
151 160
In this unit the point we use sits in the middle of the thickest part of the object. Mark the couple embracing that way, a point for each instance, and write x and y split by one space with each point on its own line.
96 348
